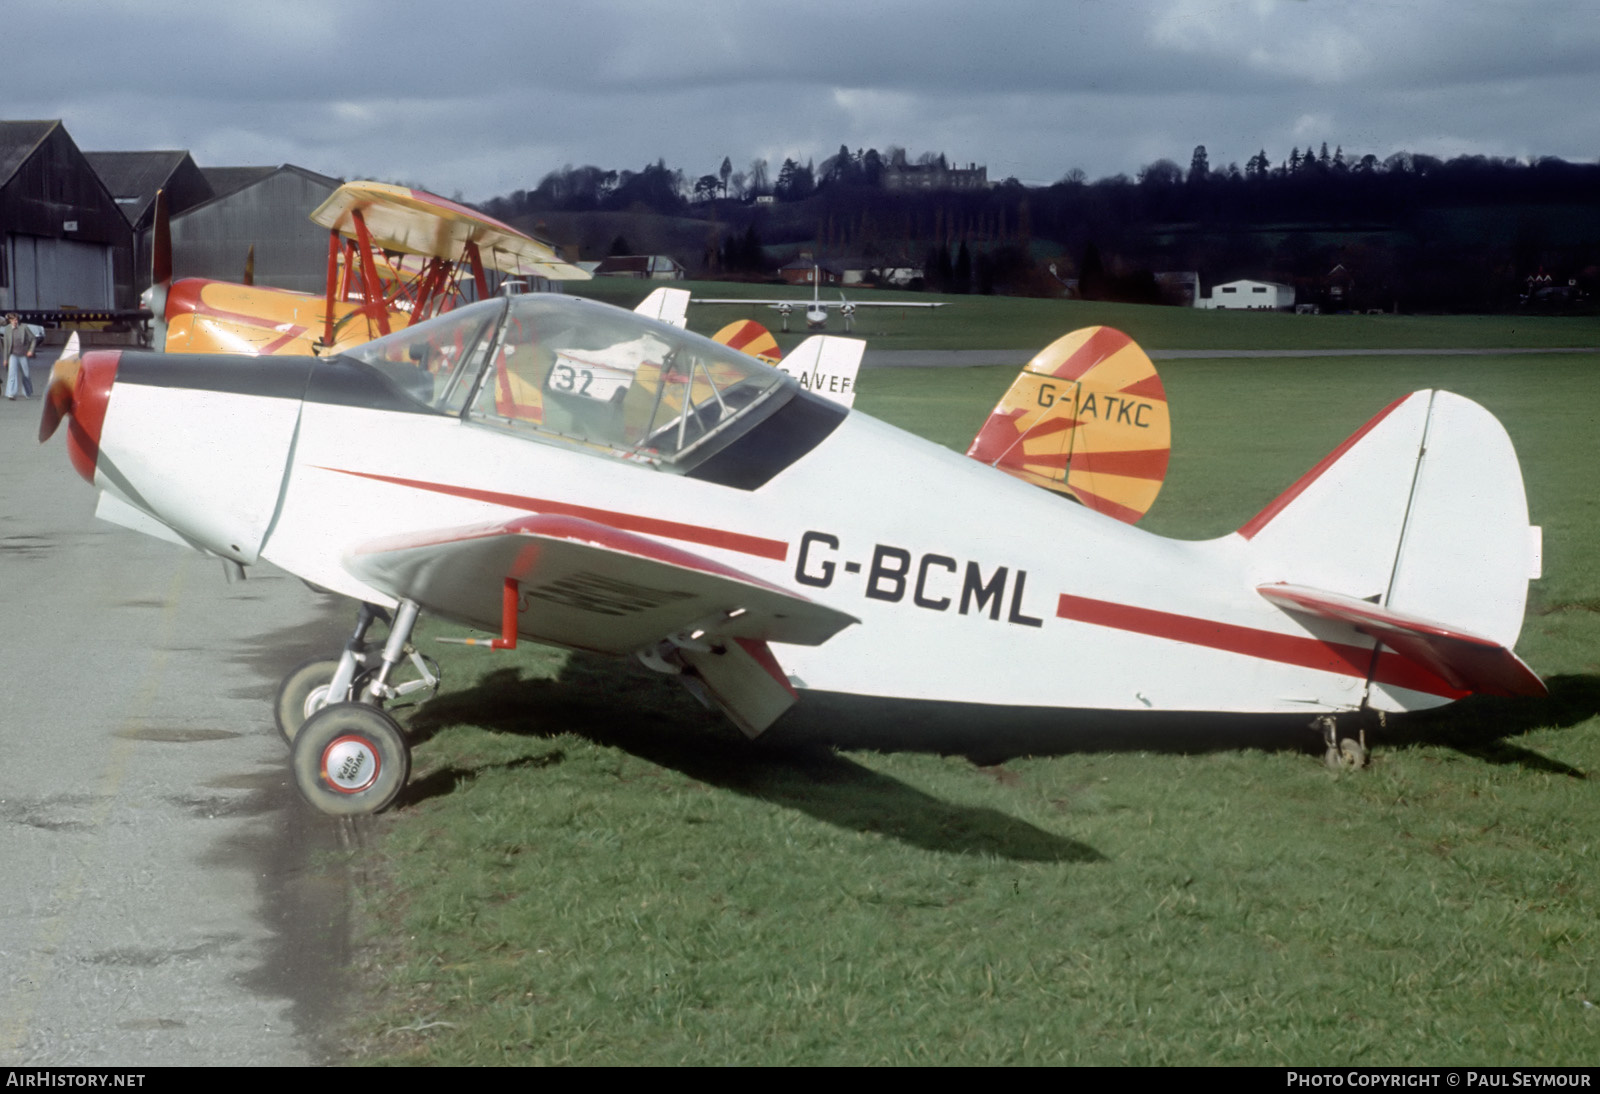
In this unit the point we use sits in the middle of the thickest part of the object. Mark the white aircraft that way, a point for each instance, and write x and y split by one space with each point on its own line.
651 493
816 309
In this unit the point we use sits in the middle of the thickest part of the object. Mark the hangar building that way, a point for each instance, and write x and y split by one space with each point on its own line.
134 179
264 207
64 243
1249 295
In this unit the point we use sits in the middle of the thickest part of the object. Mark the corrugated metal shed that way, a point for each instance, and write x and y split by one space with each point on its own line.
134 179
270 212
65 242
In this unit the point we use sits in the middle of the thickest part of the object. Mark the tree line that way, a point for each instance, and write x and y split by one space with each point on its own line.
1409 230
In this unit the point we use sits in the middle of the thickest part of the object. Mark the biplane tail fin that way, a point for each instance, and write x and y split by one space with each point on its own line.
1414 530
748 336
826 365
667 305
1086 417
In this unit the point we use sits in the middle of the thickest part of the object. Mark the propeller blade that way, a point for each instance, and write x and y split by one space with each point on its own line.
160 272
161 243
250 266
58 397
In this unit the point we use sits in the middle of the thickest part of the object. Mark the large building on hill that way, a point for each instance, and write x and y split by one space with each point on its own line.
900 175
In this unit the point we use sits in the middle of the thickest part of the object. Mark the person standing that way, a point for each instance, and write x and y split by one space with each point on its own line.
16 345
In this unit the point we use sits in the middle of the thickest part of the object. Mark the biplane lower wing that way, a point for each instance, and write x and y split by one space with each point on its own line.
588 586
1464 660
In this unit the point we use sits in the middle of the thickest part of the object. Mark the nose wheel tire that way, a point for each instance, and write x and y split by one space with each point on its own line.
301 694
350 759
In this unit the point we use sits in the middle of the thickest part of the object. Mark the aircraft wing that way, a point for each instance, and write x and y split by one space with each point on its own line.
1464 660
416 222
589 586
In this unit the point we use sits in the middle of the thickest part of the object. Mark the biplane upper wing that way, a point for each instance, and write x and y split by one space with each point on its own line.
416 222
589 586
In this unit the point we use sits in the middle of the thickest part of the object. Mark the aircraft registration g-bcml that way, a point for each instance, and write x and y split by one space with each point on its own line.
655 494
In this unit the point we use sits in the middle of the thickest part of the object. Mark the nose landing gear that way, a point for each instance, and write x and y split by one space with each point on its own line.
349 756
351 759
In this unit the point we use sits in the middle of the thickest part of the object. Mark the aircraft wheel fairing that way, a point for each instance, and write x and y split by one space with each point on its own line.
301 694
350 759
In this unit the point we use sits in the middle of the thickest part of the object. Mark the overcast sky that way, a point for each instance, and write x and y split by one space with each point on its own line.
488 100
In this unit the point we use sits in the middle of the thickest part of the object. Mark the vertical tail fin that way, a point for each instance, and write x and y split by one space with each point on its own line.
667 305
1421 515
748 336
1086 417
826 365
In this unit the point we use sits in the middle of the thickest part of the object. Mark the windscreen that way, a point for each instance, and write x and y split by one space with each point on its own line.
574 371
435 362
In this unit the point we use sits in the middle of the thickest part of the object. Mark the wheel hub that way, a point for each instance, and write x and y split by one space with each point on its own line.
350 764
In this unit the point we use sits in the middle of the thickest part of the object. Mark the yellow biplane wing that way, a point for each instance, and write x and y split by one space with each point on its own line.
410 221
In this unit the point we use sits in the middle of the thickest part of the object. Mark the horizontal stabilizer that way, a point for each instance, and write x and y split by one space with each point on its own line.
1466 661
826 365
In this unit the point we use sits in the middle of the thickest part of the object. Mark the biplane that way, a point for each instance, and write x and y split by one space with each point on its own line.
657 495
816 309
396 256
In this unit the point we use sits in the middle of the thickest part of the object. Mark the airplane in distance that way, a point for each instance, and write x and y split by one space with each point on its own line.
816 309
395 256
680 503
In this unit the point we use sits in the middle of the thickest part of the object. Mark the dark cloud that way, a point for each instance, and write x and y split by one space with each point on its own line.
491 97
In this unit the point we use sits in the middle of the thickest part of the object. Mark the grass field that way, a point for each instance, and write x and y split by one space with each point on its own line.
588 868
998 322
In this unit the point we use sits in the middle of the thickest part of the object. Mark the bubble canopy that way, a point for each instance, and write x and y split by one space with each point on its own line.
564 370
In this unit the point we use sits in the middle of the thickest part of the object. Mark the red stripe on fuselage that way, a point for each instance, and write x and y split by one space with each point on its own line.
775 549
1285 649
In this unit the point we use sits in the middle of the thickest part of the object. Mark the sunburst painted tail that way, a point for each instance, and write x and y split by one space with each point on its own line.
1087 417
748 336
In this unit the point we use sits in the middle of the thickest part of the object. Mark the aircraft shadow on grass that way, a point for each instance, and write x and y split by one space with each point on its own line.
1482 726
651 718
794 762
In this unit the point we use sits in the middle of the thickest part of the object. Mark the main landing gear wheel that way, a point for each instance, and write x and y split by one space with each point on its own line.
1342 753
350 759
1352 754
